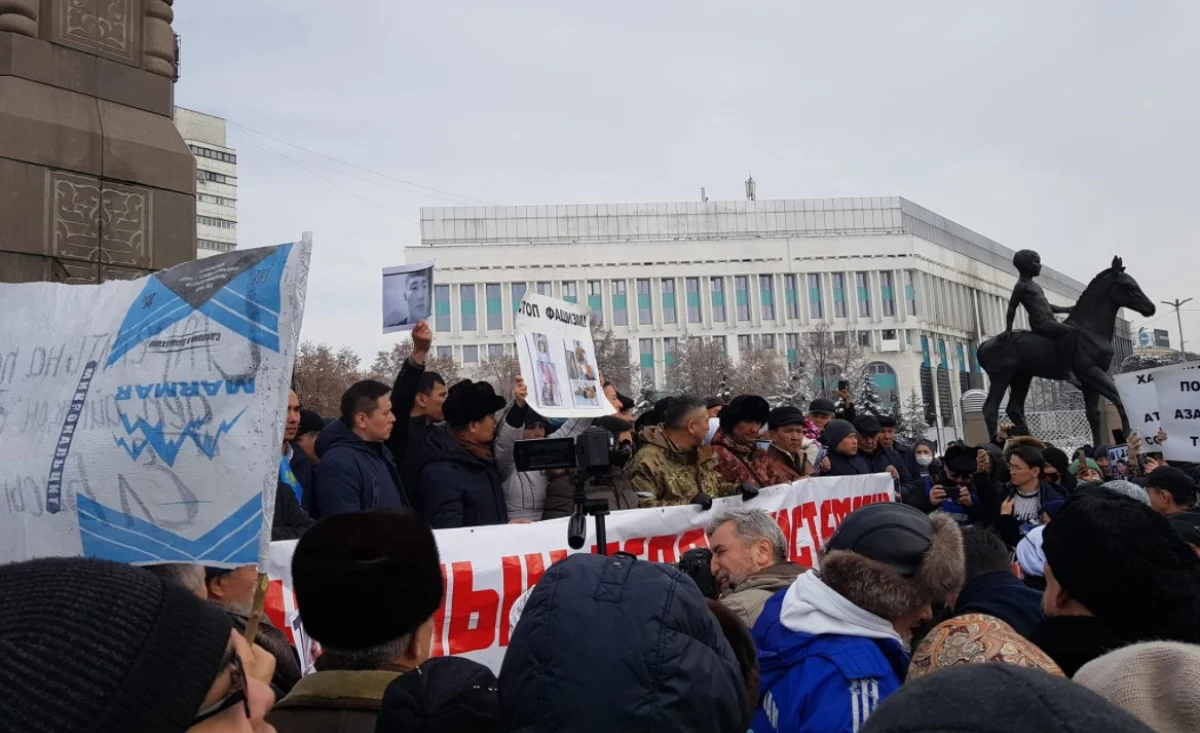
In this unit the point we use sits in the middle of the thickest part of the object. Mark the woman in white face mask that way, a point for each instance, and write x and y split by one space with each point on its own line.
926 462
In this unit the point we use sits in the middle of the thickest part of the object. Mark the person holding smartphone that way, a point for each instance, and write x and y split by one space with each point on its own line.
963 489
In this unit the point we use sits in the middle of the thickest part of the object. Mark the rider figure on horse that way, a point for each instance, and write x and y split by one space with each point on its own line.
1041 312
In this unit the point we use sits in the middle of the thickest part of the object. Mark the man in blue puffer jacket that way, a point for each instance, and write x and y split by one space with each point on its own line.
834 644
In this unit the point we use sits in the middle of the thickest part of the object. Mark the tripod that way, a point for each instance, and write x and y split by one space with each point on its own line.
598 508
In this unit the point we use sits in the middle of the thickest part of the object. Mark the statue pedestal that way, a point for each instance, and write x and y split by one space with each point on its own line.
95 181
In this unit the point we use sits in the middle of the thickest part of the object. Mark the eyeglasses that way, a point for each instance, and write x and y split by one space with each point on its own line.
236 694
1052 476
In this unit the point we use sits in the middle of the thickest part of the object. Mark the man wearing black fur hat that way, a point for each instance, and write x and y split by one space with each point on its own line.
460 483
834 644
739 459
367 586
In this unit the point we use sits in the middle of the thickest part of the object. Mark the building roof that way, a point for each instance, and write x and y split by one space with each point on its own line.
683 220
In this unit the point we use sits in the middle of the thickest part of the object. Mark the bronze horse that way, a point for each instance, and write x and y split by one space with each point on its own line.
1012 363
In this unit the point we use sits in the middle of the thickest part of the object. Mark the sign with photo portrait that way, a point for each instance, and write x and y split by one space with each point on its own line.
407 296
558 358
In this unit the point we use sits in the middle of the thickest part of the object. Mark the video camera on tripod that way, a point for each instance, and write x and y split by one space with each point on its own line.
594 455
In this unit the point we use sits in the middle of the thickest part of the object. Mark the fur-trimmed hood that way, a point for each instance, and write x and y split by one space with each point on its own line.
882 590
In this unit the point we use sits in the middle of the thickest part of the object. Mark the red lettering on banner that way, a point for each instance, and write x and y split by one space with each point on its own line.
662 549
510 567
841 507
692 538
636 546
482 605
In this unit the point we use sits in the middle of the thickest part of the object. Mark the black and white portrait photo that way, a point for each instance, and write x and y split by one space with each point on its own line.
407 296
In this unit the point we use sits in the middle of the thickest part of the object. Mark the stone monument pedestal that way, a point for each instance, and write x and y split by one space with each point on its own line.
95 181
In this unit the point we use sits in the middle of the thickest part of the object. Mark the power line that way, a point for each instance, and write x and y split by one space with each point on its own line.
313 173
358 167
335 171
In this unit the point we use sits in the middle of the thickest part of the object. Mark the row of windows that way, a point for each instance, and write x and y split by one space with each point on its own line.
208 198
669 308
212 221
215 246
215 177
211 154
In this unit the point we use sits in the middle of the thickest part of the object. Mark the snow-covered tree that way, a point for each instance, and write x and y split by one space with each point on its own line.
866 396
910 421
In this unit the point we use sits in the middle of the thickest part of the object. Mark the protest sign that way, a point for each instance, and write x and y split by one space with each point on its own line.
1178 389
407 290
1140 400
558 358
487 569
1141 404
141 420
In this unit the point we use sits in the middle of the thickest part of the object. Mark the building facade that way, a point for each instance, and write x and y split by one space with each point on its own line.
216 181
916 290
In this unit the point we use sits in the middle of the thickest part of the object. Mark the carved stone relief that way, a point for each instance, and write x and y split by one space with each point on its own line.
91 224
110 28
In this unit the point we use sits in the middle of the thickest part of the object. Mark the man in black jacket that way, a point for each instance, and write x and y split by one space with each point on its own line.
887 438
991 586
417 399
844 460
460 482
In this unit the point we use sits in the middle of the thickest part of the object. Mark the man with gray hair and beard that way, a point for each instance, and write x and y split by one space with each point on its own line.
749 561
232 590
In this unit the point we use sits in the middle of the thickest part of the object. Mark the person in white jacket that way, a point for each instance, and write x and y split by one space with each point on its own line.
525 491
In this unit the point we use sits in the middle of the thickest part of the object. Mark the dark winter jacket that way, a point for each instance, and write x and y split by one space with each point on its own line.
404 395
1003 595
290 519
609 644
907 457
1006 524
409 433
560 495
459 490
354 475
840 465
1073 641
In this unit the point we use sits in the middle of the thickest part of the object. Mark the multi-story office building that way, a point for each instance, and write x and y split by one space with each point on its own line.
216 181
917 291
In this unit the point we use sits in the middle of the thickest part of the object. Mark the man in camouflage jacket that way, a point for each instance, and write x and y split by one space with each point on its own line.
674 465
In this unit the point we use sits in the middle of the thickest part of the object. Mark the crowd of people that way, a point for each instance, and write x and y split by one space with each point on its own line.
1011 586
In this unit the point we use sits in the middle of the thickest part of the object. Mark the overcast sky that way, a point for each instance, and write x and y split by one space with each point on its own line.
1069 127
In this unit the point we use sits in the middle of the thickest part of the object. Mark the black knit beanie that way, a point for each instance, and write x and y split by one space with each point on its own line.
1122 561
96 646
366 578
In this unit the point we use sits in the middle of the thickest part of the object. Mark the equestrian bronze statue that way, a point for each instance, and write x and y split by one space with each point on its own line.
1078 350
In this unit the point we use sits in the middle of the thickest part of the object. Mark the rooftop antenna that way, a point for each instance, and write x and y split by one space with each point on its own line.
751 194
703 196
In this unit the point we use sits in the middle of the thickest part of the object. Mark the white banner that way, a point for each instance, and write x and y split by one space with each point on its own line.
558 359
1178 390
140 420
1141 405
488 568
